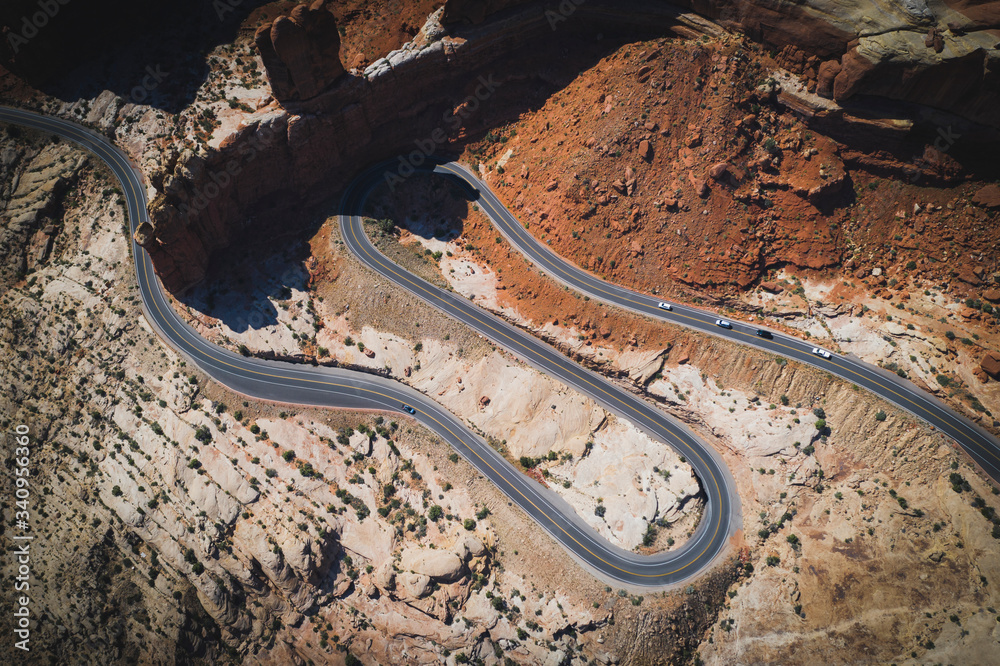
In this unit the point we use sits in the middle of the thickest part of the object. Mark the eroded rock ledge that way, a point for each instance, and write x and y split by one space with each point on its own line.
326 124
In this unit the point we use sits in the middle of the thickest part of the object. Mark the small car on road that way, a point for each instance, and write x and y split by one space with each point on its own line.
665 306
821 352
761 333
408 409
722 323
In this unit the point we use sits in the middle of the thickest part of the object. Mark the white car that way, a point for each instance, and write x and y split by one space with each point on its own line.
821 352
723 323
666 306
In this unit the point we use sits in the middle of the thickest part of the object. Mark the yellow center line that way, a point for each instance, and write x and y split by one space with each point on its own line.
110 156
560 363
555 268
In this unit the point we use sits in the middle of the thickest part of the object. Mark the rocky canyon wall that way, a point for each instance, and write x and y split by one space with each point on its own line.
327 124
305 146
940 53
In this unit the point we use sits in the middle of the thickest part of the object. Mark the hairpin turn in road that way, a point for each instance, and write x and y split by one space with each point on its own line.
337 387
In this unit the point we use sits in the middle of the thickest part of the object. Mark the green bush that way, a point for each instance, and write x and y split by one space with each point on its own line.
880 415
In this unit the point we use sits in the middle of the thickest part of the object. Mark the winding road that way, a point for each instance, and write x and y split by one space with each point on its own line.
336 387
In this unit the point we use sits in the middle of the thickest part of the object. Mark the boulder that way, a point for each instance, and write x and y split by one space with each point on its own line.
300 52
629 181
416 585
772 287
992 295
700 187
385 577
940 163
828 71
437 564
468 547
144 234
645 150
933 40
987 197
991 364
718 171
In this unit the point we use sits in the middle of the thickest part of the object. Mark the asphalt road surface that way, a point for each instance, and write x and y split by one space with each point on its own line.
977 442
336 387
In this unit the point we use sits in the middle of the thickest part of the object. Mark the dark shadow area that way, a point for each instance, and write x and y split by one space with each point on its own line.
429 205
246 285
963 147
151 52
536 75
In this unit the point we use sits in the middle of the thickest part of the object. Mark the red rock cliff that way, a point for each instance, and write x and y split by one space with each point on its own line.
301 52
331 124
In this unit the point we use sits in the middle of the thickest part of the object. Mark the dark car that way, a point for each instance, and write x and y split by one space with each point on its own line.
409 410
761 333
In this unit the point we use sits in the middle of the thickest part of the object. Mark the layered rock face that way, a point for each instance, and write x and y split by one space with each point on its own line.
326 124
423 95
940 54
301 52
